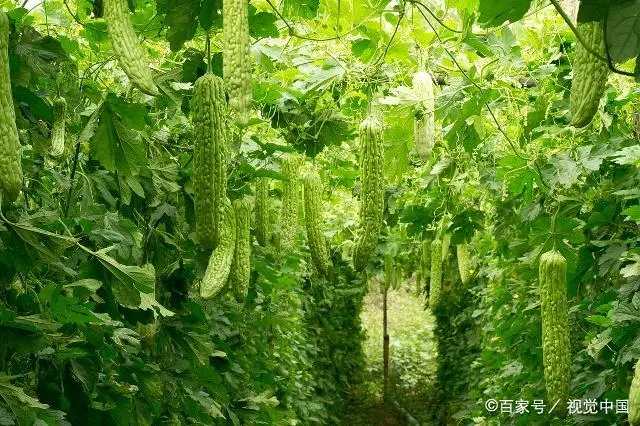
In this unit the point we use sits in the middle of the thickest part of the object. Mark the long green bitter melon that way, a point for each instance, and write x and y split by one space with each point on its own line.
634 397
10 163
435 285
236 56
209 161
291 193
313 219
262 211
372 192
462 253
556 350
241 267
590 74
219 267
424 121
58 129
132 58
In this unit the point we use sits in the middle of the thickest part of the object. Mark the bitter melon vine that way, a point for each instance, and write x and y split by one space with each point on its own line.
423 122
313 219
241 267
634 397
590 74
219 267
372 191
262 211
209 161
555 329
59 126
10 165
291 192
462 253
236 56
435 285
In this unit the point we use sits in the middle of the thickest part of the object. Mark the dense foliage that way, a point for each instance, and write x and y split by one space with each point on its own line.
118 233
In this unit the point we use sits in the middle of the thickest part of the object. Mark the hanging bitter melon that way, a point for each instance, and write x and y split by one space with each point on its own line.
132 58
262 221
10 164
372 192
590 74
313 219
291 194
58 129
236 56
435 285
556 350
241 267
424 121
634 397
209 161
219 267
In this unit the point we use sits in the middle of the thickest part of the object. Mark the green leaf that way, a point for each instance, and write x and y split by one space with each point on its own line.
262 24
494 13
143 279
633 212
41 54
181 20
623 31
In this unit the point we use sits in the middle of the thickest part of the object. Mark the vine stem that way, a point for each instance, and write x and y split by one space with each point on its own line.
582 41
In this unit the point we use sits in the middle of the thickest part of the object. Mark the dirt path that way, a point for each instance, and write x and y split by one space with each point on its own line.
413 359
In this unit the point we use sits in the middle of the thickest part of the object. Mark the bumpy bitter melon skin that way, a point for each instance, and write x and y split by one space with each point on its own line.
388 272
241 267
634 397
424 118
236 57
556 350
291 192
262 211
435 286
126 45
59 126
372 192
219 267
209 161
10 164
590 74
313 219
462 254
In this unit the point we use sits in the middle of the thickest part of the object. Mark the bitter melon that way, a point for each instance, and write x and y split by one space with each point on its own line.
219 267
313 219
132 58
556 351
241 267
58 129
462 253
10 164
372 192
236 56
291 192
435 285
423 121
634 397
388 271
262 211
209 161
590 74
